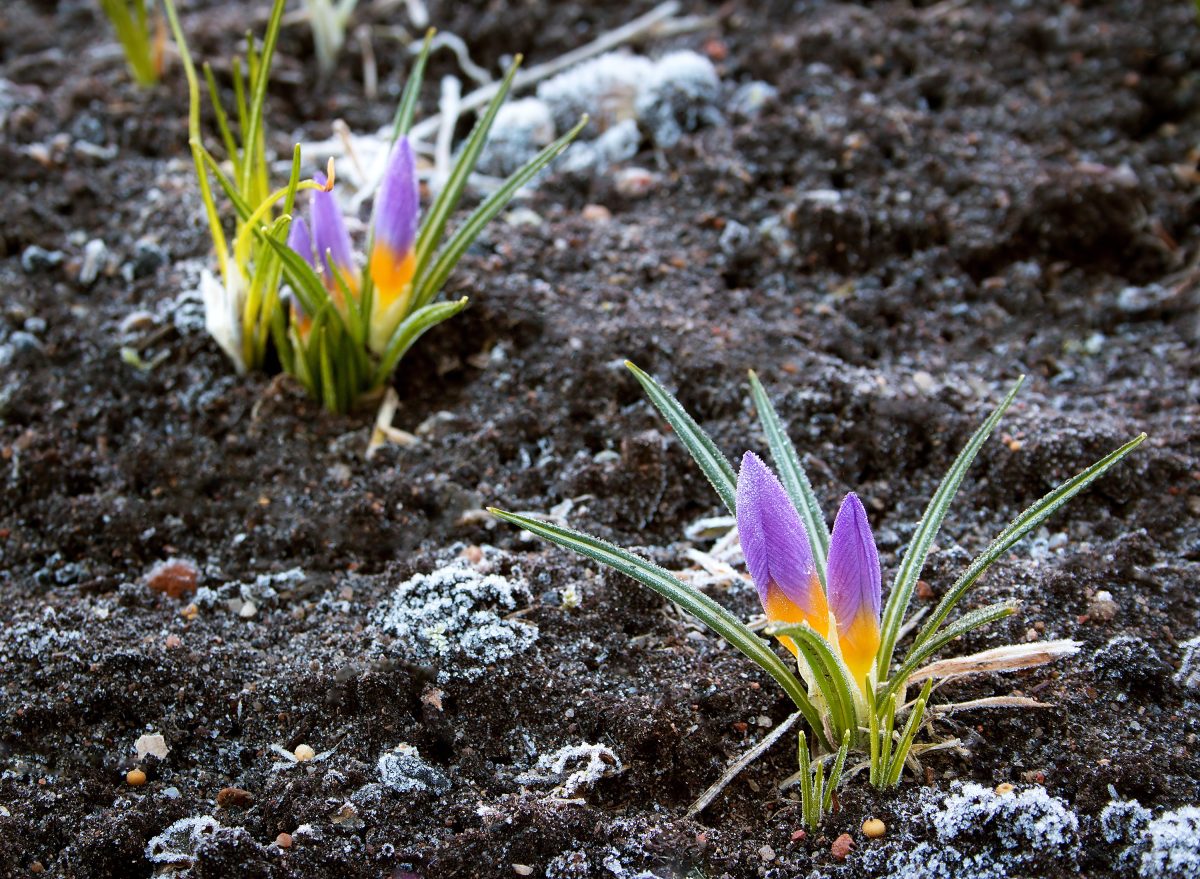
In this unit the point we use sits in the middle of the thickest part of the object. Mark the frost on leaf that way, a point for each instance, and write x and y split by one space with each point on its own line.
573 767
456 618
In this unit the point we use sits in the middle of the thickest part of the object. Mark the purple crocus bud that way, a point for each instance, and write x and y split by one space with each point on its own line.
330 238
392 258
778 554
852 573
300 241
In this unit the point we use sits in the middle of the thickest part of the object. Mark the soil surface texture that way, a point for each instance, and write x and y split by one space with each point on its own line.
356 672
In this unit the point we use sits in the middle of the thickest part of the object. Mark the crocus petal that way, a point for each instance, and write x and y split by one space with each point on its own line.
392 259
329 235
777 551
300 241
301 321
854 586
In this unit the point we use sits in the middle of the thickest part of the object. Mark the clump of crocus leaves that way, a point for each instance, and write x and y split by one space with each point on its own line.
821 592
143 37
345 325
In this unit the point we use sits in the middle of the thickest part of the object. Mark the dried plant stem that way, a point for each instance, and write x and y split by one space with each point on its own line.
706 798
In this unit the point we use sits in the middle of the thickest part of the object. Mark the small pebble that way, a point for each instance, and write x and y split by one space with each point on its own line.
841 847
873 828
135 778
635 182
303 753
522 869
766 853
38 259
924 381
1102 607
95 255
151 745
284 840
924 590
234 798
596 213
174 577
1004 789
173 642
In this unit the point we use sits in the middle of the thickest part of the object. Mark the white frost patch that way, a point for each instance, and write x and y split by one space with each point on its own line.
573 767
178 843
454 617
402 770
1174 846
681 95
1017 832
1189 670
1167 847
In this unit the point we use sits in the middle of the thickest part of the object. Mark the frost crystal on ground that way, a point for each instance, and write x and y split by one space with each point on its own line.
1167 847
179 842
1189 670
1016 831
680 96
573 767
403 771
454 618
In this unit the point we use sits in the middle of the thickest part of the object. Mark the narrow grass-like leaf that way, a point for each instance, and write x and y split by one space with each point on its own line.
873 735
430 234
305 282
259 77
712 461
407 107
482 215
835 774
133 33
411 329
825 663
887 727
694 602
807 796
792 475
914 557
896 767
1022 525
214 98
968 622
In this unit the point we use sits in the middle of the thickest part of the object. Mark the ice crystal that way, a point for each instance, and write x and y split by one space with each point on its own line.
1007 834
455 617
402 770
572 768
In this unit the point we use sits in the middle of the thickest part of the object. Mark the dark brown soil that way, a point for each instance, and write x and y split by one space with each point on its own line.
1018 193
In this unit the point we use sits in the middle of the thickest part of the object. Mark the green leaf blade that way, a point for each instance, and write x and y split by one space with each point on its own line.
668 586
1022 525
927 529
712 460
792 475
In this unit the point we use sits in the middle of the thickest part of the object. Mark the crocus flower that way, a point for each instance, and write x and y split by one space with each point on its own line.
392 259
300 241
779 558
331 241
852 573
777 550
